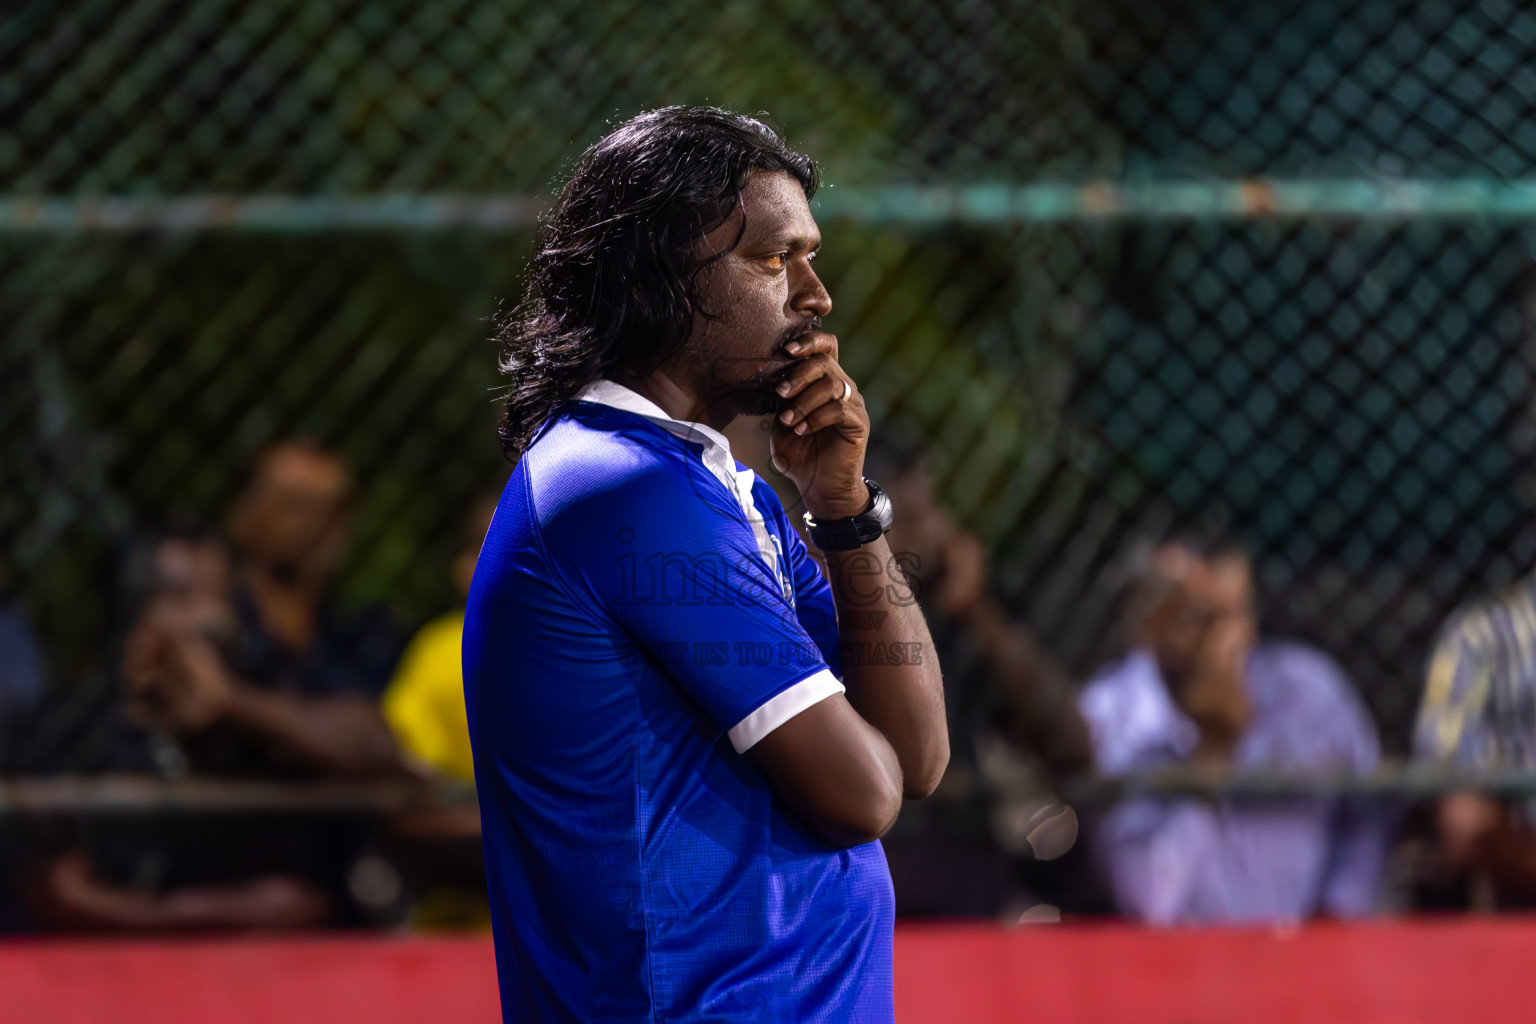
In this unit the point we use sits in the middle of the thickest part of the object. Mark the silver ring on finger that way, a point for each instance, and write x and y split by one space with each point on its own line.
847 390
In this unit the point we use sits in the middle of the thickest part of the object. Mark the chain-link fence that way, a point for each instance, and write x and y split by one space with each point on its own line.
1118 265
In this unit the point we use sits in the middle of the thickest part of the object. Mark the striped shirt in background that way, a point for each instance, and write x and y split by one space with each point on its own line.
1479 708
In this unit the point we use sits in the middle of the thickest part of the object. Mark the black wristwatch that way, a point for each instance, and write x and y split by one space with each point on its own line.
855 531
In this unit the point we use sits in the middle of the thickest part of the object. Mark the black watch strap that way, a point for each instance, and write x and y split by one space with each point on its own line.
855 531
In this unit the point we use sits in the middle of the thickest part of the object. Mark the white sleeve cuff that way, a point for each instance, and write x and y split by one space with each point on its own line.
781 707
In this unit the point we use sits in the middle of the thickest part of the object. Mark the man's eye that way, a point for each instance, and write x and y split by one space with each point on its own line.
776 261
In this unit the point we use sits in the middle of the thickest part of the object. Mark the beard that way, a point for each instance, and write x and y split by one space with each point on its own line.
757 396
747 386
758 400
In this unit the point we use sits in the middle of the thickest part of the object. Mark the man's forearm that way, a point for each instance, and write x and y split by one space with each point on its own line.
343 735
79 900
890 666
1039 705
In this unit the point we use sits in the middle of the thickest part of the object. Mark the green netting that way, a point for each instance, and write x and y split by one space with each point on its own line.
1266 263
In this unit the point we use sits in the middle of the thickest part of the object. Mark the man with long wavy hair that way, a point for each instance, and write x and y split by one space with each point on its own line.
687 739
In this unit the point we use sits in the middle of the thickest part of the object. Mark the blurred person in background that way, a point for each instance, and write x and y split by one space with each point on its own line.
1014 725
1477 716
1201 688
295 690
238 664
440 846
202 873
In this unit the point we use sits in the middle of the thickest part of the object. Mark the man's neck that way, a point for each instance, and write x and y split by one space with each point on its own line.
679 400
288 609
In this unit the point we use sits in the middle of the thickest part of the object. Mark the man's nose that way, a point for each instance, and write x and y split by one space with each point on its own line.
810 295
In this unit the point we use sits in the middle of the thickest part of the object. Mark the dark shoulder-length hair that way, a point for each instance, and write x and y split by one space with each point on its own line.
611 289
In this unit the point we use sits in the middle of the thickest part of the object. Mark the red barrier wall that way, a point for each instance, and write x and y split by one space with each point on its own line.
269 981
1399 973
1472 971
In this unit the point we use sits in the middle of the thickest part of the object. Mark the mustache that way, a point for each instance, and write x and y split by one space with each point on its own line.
810 326
771 400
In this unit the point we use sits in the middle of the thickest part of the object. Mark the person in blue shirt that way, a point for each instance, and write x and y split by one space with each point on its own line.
687 739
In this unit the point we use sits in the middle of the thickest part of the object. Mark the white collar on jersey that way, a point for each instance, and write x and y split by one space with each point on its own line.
717 459
606 392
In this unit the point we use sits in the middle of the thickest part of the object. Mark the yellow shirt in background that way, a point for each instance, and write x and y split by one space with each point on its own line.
425 701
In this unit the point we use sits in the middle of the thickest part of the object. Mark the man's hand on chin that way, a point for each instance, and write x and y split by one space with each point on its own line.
819 437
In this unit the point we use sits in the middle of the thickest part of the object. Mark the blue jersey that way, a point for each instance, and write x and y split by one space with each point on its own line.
642 614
